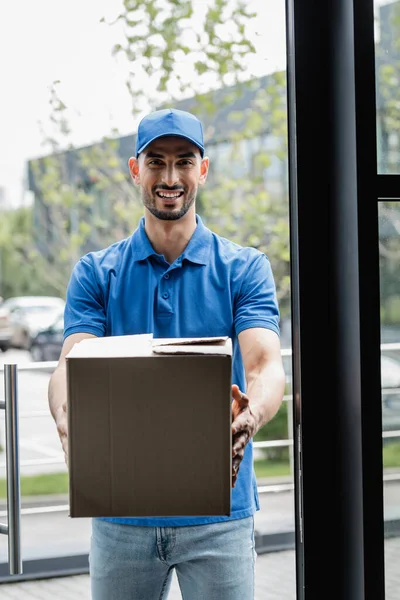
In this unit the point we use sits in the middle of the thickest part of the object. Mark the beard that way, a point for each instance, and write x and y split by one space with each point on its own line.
149 202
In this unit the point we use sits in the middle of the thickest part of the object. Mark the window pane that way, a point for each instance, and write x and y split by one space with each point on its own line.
226 65
387 51
389 233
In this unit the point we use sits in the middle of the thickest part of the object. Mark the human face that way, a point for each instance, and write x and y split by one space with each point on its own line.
169 172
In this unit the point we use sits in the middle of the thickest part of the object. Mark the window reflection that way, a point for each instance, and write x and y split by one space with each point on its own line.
389 239
387 52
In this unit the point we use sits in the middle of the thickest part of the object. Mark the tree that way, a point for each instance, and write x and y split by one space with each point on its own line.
84 199
183 48
214 44
22 270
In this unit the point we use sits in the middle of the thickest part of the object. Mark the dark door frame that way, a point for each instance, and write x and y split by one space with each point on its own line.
334 195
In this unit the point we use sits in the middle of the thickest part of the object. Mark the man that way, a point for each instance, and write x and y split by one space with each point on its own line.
175 278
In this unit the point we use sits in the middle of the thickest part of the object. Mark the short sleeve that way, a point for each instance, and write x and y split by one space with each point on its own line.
84 311
256 304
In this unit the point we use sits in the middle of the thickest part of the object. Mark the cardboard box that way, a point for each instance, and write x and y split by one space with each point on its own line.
150 427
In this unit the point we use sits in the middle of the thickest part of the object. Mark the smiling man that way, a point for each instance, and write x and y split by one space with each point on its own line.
173 277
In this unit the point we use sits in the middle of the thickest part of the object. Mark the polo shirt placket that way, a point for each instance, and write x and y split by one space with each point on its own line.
165 292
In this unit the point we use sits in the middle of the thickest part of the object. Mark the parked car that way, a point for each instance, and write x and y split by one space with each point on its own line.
47 344
6 330
21 317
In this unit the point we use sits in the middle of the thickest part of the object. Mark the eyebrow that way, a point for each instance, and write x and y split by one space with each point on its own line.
184 155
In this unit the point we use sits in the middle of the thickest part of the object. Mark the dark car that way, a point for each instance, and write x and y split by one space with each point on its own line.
47 344
21 317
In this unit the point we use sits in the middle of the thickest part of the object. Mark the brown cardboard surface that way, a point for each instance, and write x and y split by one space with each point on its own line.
149 431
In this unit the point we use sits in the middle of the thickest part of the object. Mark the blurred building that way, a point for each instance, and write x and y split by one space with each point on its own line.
229 150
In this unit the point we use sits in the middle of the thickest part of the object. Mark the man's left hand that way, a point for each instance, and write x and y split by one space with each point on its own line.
244 426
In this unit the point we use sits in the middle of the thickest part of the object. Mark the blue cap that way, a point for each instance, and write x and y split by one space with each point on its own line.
169 121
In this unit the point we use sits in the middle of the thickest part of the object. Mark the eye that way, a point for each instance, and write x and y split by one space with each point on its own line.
154 162
185 162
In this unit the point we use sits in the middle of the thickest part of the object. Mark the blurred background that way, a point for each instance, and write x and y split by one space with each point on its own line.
76 80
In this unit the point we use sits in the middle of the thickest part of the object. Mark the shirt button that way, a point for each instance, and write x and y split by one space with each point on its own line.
166 276
165 295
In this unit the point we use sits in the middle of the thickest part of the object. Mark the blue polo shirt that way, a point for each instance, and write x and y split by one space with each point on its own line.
215 288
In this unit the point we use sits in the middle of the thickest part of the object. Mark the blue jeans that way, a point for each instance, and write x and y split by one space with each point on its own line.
212 562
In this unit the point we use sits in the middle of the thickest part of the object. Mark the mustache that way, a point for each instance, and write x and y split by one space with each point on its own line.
165 188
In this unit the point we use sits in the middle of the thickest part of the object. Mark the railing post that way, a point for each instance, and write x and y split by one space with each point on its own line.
13 527
290 431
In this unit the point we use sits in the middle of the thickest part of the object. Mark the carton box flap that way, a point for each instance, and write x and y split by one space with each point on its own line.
192 341
119 346
210 346
144 345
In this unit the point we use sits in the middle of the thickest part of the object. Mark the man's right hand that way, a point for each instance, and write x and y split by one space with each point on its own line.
62 428
57 391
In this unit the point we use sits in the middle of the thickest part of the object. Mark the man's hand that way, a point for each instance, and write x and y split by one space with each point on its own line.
62 429
57 390
244 426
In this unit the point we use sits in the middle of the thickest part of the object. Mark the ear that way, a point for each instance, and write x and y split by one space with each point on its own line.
204 170
134 169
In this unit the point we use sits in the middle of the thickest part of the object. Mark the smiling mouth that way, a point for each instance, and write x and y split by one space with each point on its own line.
169 196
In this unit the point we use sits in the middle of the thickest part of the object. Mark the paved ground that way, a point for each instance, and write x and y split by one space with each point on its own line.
275 580
60 535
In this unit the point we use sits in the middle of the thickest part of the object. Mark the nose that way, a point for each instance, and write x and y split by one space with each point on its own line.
170 176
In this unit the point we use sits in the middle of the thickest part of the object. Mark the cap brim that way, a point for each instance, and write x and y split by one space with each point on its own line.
156 137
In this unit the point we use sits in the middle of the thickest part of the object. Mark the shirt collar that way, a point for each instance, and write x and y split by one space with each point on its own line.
197 251
141 246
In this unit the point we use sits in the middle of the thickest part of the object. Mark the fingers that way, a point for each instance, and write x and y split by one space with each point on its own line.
62 430
64 443
243 427
238 396
243 422
239 443
236 391
236 464
62 421
235 469
239 403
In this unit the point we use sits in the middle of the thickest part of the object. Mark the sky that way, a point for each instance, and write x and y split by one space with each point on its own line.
42 41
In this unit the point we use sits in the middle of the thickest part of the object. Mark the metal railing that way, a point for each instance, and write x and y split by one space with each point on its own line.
49 366
13 464
13 527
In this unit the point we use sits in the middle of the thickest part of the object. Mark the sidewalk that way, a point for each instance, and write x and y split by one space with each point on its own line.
275 580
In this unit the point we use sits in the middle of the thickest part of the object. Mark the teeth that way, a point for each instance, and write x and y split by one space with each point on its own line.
166 195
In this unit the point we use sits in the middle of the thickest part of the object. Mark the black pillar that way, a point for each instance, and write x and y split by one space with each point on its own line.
333 212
